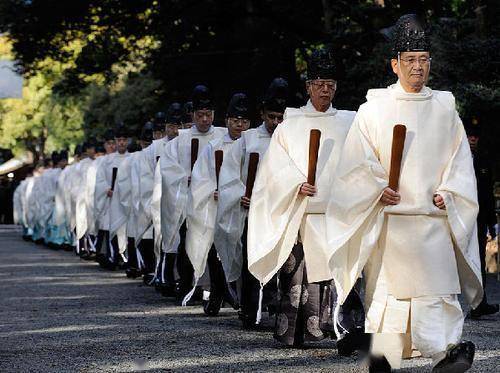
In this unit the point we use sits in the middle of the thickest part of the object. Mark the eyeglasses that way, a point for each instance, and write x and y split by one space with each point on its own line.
318 84
412 61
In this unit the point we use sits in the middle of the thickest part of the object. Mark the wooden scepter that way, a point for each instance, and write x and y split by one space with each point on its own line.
253 162
195 143
219 157
113 178
314 138
398 143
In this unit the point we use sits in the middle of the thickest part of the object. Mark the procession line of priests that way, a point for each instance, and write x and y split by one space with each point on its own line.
415 245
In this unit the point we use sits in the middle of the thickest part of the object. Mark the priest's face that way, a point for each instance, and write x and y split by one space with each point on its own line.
91 152
321 92
158 135
412 69
235 126
110 146
203 119
173 130
271 120
473 141
121 144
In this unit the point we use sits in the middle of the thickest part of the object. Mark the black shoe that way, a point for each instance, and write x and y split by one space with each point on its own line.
133 272
148 279
484 310
248 321
379 364
213 305
355 340
167 290
458 359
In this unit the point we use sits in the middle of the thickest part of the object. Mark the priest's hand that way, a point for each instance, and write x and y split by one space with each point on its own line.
245 202
216 195
109 193
307 190
439 202
390 197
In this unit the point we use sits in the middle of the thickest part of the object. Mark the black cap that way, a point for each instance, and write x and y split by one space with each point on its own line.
56 157
187 111
99 148
109 135
175 113
409 35
133 147
276 96
201 98
472 126
63 154
78 150
159 121
321 65
147 132
238 106
121 131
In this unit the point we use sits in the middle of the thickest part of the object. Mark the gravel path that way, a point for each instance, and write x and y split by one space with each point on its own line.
61 314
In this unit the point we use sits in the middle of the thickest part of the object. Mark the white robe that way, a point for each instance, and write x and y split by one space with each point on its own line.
231 215
171 183
104 176
202 208
89 190
27 207
82 212
123 217
277 212
18 205
146 166
363 234
46 196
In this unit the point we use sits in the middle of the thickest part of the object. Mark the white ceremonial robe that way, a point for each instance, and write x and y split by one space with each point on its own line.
201 207
90 203
231 215
82 212
27 208
278 214
171 183
50 180
412 250
18 205
123 217
146 166
104 176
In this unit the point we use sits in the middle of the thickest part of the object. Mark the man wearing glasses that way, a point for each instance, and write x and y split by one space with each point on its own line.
286 221
417 246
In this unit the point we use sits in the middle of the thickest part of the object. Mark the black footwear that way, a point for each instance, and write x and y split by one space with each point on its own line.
212 306
355 340
247 320
379 364
133 272
148 278
484 310
458 359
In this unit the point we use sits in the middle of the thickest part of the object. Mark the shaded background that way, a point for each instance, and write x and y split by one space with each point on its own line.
89 64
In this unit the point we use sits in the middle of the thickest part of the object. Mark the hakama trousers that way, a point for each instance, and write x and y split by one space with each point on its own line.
428 324
305 309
